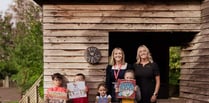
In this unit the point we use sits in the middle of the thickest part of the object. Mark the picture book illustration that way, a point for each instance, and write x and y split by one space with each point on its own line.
56 101
57 97
76 89
126 88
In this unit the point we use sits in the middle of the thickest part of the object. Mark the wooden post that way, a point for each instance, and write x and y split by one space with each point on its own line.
36 94
28 99
6 82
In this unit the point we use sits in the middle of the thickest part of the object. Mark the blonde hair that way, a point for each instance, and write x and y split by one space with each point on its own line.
138 59
129 71
112 60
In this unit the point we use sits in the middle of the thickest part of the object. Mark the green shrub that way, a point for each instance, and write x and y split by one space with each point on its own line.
174 64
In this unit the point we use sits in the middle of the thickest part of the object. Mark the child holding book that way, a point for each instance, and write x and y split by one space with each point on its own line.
57 93
80 77
129 75
102 94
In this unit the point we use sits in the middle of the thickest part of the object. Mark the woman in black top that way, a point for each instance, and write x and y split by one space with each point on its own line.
147 75
115 70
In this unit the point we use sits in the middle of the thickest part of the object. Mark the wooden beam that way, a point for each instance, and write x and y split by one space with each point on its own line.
120 26
138 6
73 66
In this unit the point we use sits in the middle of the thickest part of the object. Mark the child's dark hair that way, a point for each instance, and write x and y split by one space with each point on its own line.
57 76
101 84
80 74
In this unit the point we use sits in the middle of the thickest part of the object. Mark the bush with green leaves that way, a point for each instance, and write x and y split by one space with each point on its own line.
174 72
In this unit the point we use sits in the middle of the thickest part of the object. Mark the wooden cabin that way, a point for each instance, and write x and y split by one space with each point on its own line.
72 26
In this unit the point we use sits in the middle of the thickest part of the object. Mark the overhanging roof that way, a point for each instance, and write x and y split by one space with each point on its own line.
41 2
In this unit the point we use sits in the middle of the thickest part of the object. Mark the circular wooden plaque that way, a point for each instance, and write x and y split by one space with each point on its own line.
92 55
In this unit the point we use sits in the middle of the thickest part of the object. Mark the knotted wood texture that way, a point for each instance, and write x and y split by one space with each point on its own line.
194 80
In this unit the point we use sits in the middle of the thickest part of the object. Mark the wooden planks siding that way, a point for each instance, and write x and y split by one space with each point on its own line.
194 84
170 17
70 29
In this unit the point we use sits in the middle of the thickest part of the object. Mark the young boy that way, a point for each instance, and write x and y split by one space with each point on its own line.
57 79
80 77
129 75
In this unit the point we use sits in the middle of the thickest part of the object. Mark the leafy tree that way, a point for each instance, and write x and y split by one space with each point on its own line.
27 53
6 42
27 56
21 44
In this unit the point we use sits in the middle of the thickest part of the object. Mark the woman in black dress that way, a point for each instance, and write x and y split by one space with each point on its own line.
115 70
147 75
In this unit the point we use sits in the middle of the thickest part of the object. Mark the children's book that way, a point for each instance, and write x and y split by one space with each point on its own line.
56 101
57 97
76 89
126 88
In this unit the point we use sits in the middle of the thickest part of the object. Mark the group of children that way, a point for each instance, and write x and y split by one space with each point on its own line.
102 96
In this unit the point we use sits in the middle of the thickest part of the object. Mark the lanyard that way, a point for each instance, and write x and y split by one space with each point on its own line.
116 74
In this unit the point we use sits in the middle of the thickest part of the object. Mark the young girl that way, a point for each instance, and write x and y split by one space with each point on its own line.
102 94
57 79
129 75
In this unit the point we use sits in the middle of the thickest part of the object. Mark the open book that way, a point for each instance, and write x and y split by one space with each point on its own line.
56 97
76 89
126 88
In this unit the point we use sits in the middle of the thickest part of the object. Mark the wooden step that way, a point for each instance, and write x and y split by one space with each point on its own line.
172 100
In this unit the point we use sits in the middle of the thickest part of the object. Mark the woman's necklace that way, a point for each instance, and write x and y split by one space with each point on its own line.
117 71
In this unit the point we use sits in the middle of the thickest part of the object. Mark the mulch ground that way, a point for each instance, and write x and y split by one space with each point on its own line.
9 94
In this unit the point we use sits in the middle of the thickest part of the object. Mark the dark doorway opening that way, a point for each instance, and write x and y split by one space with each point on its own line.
157 42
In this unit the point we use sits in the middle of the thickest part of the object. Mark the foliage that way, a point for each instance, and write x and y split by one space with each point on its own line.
6 42
41 89
13 102
22 45
27 56
174 72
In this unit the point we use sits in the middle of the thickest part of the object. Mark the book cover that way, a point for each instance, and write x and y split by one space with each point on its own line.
57 97
126 88
77 89
56 101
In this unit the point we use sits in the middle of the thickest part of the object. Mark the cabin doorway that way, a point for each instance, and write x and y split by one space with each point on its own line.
158 43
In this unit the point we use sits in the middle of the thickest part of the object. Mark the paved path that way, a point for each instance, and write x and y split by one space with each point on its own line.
13 94
9 94
171 100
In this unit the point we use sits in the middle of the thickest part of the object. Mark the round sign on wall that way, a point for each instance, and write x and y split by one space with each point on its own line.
92 55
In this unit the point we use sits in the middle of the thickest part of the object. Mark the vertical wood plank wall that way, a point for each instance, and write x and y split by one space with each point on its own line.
194 84
70 29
